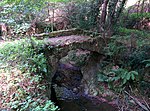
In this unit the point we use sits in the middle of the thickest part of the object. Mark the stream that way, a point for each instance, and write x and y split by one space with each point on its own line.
67 97
84 104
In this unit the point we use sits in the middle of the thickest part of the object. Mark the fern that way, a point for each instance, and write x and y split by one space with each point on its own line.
147 62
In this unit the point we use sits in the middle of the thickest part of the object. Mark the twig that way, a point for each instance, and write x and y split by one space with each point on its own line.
146 104
138 102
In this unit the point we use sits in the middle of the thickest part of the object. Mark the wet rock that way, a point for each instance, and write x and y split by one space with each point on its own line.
63 93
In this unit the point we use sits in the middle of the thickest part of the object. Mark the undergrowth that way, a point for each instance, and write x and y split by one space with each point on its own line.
22 67
125 67
125 71
125 31
23 55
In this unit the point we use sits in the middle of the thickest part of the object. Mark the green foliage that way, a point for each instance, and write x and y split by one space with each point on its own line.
125 31
136 58
85 15
112 49
135 16
130 20
133 59
120 78
34 2
25 92
115 50
144 88
28 87
21 29
22 54
32 105
21 11
49 106
147 62
131 64
123 75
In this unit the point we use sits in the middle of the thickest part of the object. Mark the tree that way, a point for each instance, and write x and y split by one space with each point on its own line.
109 13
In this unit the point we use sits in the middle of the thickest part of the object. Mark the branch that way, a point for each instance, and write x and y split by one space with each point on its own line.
138 102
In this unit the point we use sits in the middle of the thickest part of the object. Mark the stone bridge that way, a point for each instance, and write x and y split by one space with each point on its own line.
58 47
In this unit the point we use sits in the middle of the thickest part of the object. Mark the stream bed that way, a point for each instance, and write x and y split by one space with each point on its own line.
85 104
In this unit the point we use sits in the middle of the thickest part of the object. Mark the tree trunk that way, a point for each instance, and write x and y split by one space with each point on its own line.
99 5
111 11
103 15
119 10
111 16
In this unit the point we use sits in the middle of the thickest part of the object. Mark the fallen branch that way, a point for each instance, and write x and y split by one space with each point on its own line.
138 102
147 104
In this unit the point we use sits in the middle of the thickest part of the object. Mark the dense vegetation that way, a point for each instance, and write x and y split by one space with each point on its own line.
125 71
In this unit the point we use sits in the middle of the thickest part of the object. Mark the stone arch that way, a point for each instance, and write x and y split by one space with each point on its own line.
57 48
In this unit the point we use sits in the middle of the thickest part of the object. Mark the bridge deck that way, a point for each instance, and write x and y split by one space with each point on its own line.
67 40
60 46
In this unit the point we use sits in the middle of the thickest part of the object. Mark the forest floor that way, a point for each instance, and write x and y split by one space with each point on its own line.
17 87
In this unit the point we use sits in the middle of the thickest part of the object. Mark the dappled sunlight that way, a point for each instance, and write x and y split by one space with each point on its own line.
17 87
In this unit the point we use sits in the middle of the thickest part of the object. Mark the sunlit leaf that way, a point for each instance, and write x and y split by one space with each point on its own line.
132 76
128 76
